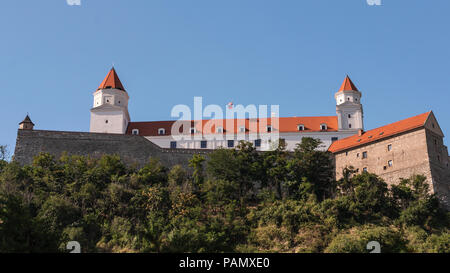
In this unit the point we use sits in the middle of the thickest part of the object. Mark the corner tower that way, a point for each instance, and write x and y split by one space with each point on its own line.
348 107
110 111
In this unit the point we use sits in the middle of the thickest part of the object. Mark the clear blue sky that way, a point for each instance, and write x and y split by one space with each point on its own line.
288 52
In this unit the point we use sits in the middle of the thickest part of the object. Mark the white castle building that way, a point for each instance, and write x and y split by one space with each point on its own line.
110 115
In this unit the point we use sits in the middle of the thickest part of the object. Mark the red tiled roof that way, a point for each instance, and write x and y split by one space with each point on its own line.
286 125
379 133
111 81
348 85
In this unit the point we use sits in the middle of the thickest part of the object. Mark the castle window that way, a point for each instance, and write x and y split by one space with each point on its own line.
300 127
203 144
173 145
269 128
365 169
390 163
384 167
356 99
242 129
161 131
106 121
350 125
135 131
230 143
323 126
257 142
219 130
364 155
357 155
349 116
389 147
333 139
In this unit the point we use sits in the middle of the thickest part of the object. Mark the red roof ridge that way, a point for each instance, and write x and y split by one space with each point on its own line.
348 85
111 81
381 132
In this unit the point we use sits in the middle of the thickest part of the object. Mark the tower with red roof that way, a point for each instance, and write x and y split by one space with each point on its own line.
348 107
109 113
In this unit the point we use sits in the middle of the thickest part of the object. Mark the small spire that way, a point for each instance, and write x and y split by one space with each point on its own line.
26 124
348 85
111 81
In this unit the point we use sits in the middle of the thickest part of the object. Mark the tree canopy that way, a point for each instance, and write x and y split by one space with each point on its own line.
237 200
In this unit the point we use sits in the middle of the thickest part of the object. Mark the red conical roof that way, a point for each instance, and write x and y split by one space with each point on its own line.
111 81
348 85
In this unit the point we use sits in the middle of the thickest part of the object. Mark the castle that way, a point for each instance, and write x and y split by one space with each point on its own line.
398 150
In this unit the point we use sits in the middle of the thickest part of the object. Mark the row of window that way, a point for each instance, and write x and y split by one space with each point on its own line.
390 163
300 127
204 144
364 154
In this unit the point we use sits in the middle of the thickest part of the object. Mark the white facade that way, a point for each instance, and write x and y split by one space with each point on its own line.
215 141
349 110
110 112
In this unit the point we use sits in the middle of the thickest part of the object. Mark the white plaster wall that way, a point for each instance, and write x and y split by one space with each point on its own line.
115 124
291 139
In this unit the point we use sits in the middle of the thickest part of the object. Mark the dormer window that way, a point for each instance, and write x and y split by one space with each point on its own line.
300 127
323 126
219 130
161 131
269 128
135 132
242 129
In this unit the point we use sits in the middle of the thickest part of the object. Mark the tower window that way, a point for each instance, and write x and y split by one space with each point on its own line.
269 128
301 127
349 116
350 125
161 131
106 121
241 129
365 169
135 132
192 130
390 163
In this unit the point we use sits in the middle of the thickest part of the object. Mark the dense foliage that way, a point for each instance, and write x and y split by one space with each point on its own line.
236 201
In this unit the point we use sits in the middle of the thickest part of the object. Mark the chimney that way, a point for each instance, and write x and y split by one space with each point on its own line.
360 132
